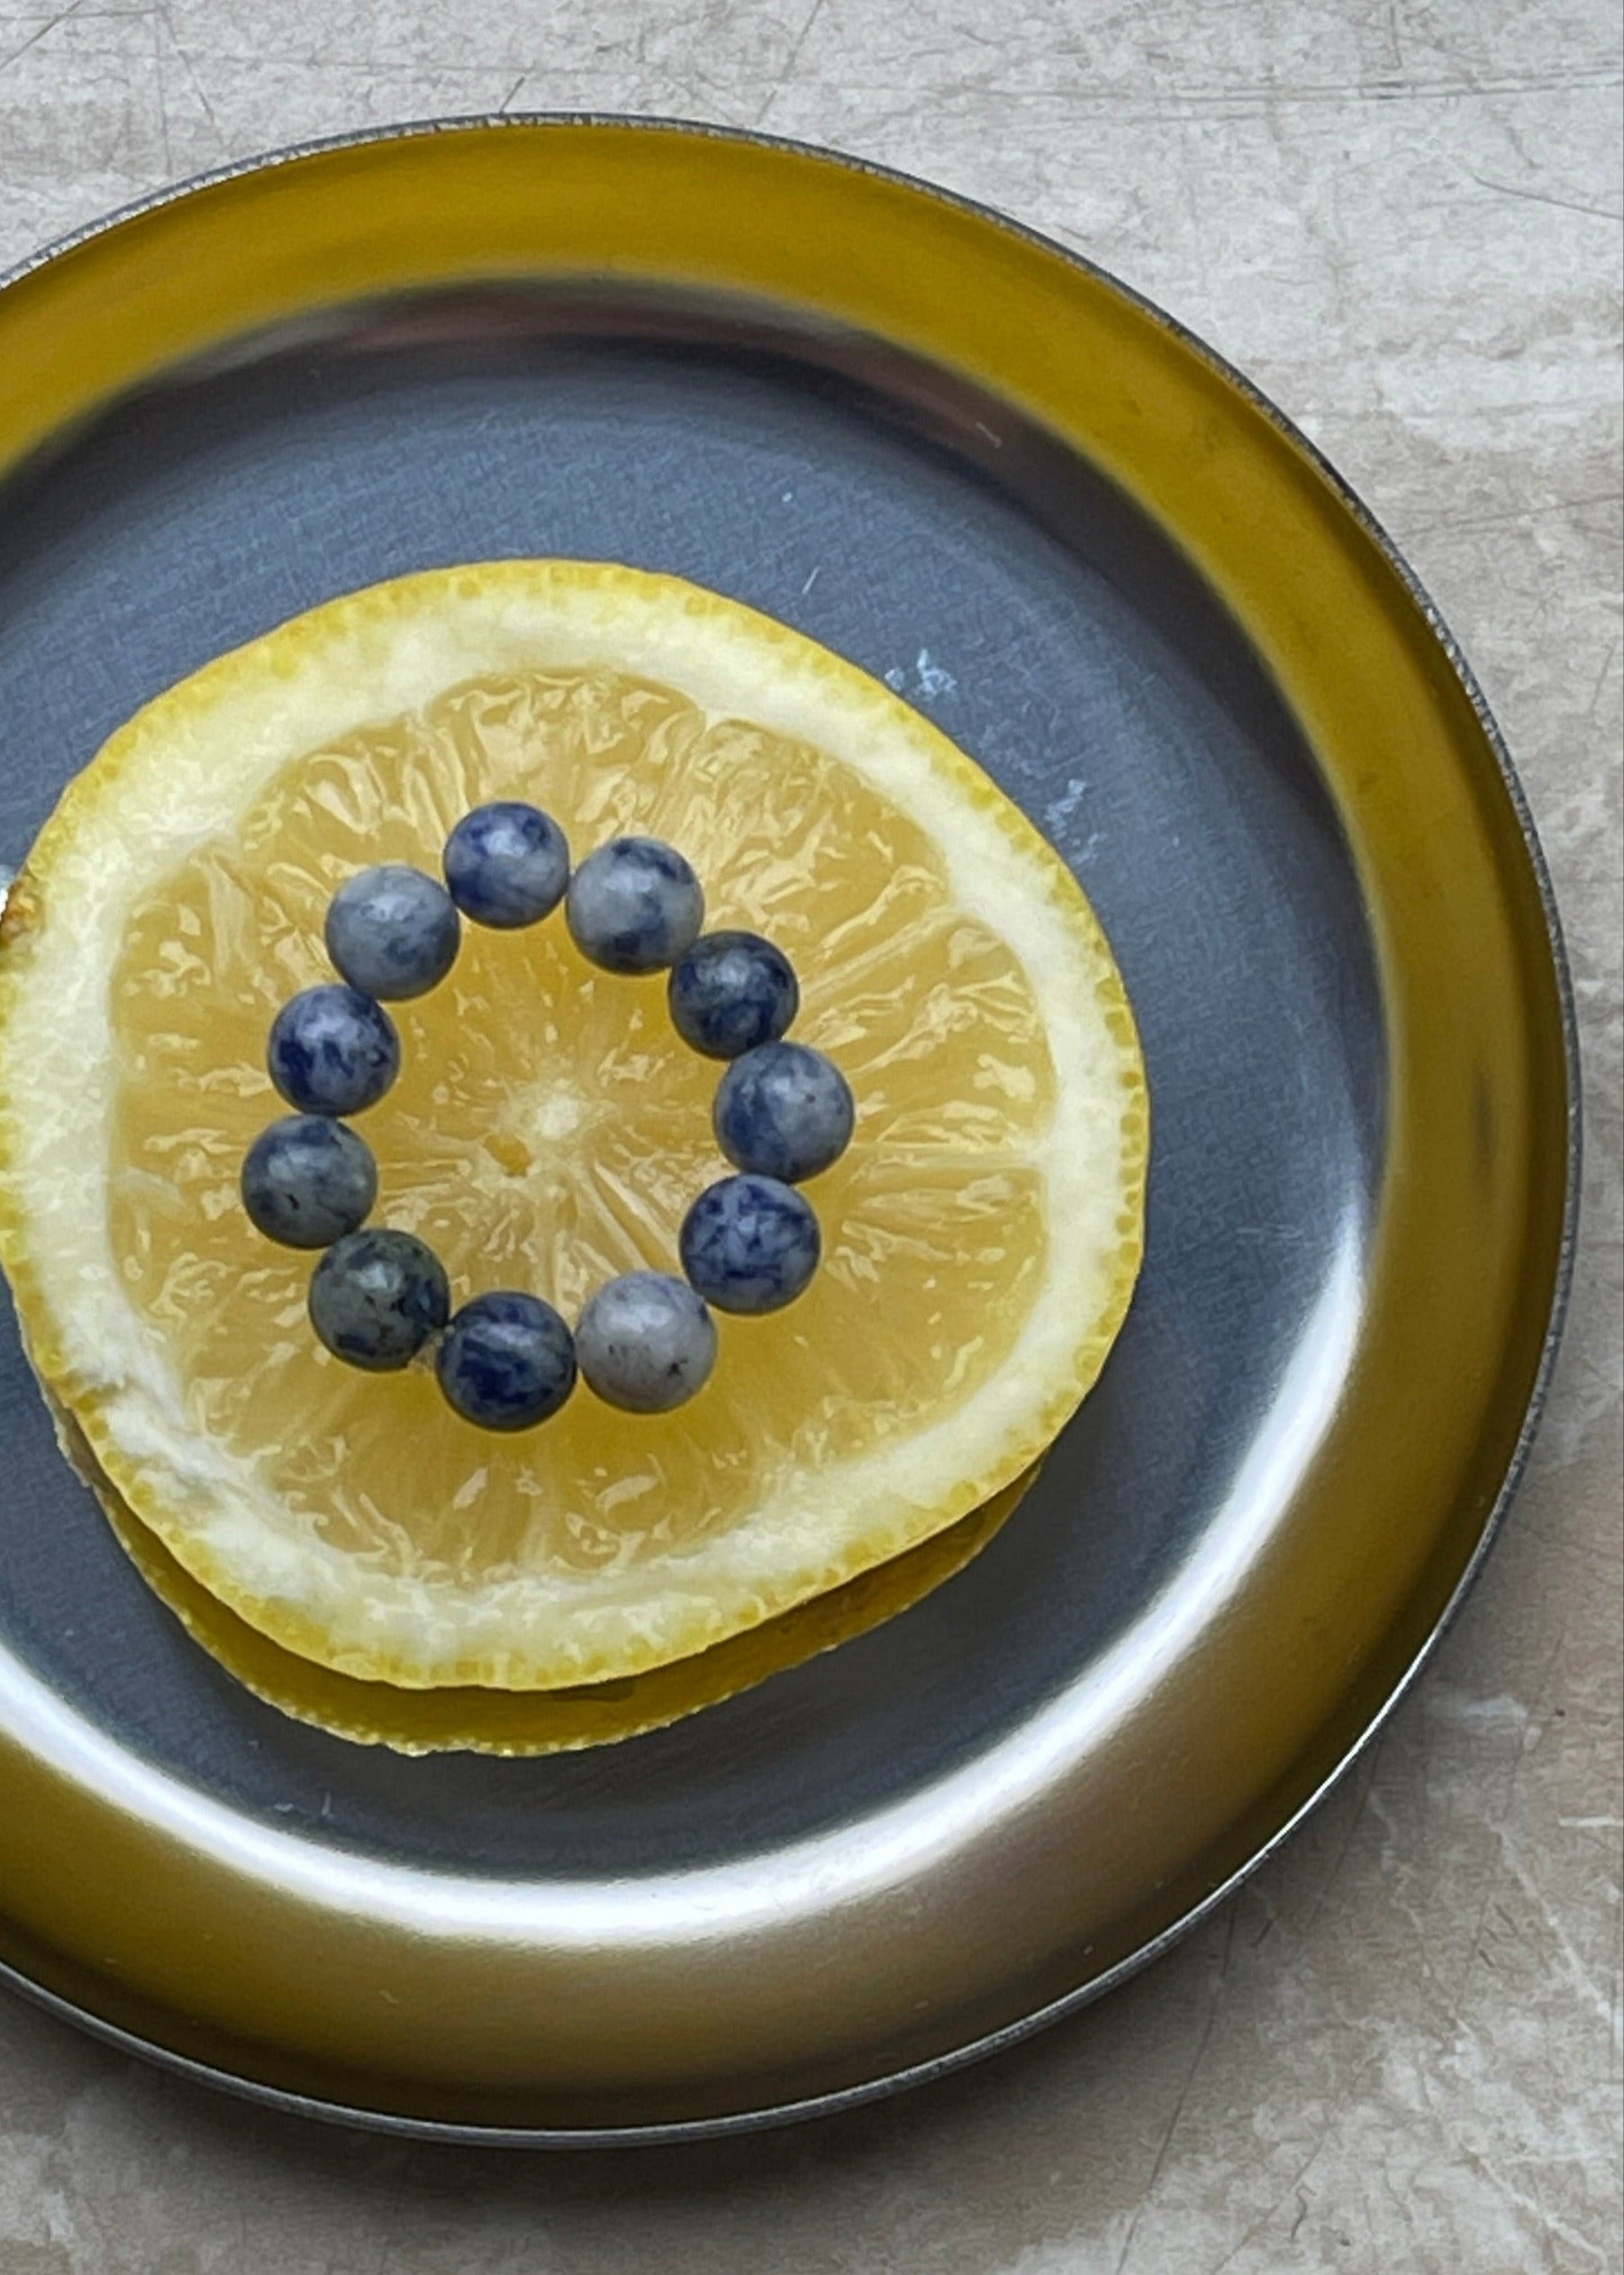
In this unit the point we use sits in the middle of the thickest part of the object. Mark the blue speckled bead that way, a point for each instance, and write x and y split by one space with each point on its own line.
782 1111
507 1361
645 1343
392 933
308 1180
333 1050
376 1297
750 1244
634 906
507 865
731 993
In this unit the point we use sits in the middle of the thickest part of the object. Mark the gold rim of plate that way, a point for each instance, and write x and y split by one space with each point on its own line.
415 1998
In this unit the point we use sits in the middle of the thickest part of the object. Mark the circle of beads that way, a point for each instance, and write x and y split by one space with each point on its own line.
750 1243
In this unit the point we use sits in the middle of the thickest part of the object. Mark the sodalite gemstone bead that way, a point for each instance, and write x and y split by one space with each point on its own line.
750 1244
782 1111
376 1297
308 1180
731 992
333 1050
507 864
645 1343
507 1361
634 906
392 933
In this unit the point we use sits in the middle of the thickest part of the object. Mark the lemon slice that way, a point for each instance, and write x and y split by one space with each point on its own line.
519 1722
549 1130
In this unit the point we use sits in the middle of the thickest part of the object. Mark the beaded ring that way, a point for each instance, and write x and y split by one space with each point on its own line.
749 1244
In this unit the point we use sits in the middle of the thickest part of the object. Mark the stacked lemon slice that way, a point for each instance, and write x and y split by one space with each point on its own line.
346 1542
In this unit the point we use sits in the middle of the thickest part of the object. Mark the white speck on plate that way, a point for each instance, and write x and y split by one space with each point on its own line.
1060 811
929 678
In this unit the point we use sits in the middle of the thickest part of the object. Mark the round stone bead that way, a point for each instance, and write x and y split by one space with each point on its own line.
634 906
731 992
645 1343
333 1050
782 1111
308 1180
507 1361
750 1244
376 1296
507 865
392 933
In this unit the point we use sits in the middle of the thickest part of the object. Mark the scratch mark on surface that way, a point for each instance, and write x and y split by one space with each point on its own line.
1467 524
1296 2180
190 69
812 580
1333 1872
1545 197
1241 102
1546 2222
790 61
158 89
1184 2092
1602 677
1586 1988
35 37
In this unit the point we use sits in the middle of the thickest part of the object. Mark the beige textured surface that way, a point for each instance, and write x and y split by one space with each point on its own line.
1399 2050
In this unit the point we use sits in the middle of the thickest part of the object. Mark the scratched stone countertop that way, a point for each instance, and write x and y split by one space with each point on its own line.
1397 2051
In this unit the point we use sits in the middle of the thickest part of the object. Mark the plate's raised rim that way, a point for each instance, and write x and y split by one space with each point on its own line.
942 2065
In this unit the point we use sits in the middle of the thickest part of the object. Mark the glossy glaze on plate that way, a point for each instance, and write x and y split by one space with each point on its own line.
988 475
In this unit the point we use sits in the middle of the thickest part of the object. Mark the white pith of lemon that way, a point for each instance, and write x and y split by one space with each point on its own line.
981 1237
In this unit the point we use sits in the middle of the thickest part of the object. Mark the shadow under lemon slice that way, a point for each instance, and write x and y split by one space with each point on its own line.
467 1718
